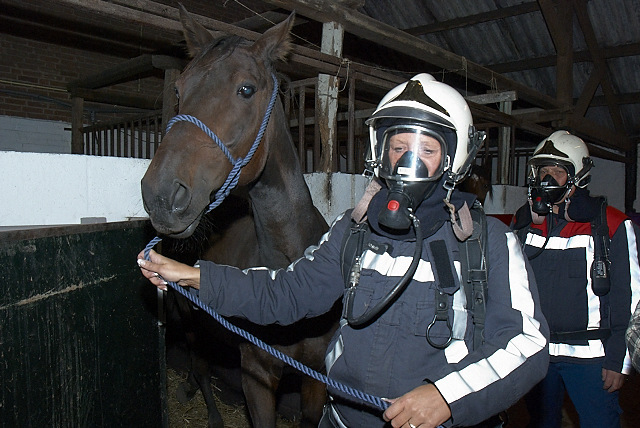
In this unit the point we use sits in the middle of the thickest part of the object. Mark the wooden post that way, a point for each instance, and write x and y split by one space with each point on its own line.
327 98
77 138
564 49
504 146
351 125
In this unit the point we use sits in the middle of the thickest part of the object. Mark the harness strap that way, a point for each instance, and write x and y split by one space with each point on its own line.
600 280
443 269
474 272
359 212
464 227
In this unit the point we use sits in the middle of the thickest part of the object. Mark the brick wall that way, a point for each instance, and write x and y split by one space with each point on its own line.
34 76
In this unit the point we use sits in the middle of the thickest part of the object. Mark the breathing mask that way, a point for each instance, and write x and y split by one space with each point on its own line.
413 160
560 149
545 192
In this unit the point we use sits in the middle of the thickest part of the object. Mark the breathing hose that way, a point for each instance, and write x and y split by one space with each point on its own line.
369 314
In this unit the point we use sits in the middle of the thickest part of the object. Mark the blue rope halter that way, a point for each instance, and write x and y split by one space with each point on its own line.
230 183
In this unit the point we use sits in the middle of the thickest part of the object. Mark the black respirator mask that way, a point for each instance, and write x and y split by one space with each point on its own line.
545 193
405 196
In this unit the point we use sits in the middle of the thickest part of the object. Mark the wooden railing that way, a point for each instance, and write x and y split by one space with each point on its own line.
139 137
133 138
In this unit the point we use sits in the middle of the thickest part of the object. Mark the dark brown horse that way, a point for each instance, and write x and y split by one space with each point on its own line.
478 182
227 86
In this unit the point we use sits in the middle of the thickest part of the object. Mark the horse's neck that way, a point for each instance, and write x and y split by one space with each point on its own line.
285 217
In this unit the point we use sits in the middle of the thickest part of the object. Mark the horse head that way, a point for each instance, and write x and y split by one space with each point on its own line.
478 182
227 86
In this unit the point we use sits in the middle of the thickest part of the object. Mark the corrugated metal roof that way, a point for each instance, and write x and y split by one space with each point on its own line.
525 36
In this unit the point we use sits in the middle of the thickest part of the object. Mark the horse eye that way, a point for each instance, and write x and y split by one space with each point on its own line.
247 91
177 93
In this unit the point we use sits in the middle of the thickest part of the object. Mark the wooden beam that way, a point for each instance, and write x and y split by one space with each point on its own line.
537 115
558 16
606 154
122 72
495 97
327 90
388 36
620 99
589 89
104 97
465 21
77 122
596 133
580 8
608 52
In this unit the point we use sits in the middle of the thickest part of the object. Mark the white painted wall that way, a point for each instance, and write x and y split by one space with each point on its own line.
344 191
505 199
42 189
44 136
33 135
608 180
53 189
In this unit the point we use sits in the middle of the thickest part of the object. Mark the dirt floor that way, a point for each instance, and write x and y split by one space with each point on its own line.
194 415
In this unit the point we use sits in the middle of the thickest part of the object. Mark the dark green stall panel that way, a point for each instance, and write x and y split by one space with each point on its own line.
80 344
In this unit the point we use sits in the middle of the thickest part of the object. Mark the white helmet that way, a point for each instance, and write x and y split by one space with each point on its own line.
434 108
565 150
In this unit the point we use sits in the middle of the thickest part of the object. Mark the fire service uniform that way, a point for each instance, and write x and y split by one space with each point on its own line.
391 355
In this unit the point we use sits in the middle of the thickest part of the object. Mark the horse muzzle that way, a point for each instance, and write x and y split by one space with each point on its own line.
172 208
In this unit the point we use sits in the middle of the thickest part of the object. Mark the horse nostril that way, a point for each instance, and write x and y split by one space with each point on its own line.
181 197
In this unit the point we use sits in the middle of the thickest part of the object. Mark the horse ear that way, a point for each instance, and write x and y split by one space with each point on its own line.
195 34
275 43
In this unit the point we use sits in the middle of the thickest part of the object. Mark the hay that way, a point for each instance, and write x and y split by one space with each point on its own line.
194 413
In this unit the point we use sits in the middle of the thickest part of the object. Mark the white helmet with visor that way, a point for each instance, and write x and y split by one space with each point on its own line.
420 108
560 149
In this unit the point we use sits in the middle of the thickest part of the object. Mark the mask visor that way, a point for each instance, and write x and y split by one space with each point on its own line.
412 153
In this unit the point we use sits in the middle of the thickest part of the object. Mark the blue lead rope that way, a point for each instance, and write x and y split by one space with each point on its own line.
368 398
229 184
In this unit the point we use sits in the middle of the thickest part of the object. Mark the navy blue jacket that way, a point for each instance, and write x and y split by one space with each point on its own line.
391 356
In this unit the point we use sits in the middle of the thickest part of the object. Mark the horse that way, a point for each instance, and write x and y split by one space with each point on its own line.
227 86
478 182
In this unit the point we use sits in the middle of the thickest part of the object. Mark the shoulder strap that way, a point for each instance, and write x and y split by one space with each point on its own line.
600 281
474 272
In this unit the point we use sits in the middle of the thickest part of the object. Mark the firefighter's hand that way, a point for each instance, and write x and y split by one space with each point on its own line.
422 407
612 381
160 269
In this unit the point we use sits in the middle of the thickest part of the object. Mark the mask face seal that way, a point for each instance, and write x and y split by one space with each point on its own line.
545 192
406 151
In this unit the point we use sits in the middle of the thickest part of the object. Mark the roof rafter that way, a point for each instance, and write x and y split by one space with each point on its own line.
465 21
580 8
